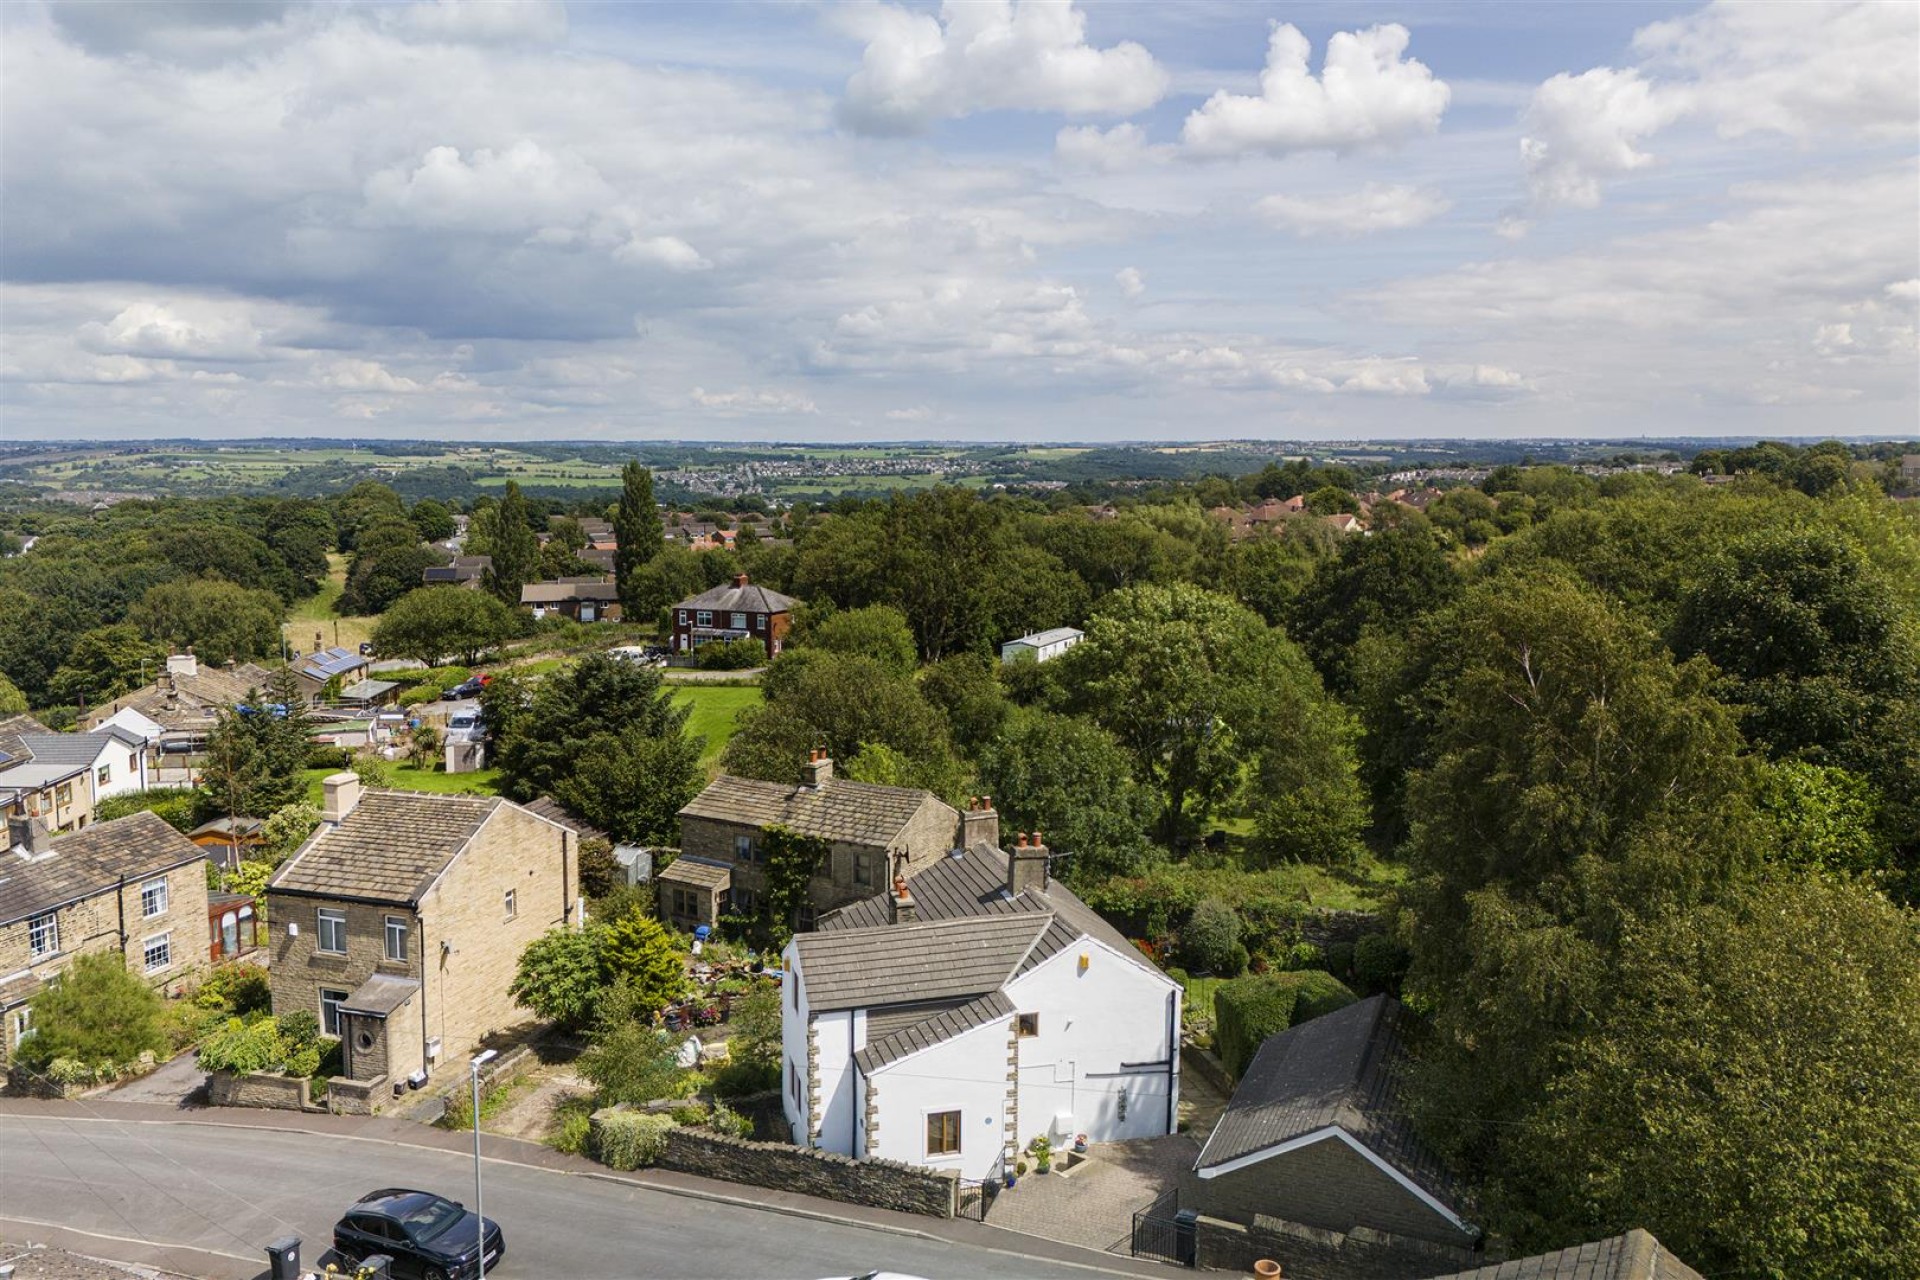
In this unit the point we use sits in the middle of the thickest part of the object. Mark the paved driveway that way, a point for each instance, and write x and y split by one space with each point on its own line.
180 1083
1093 1204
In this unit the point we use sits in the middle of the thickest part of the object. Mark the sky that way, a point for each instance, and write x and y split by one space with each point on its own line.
998 220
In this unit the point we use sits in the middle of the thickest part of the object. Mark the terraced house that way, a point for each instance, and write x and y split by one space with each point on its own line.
400 921
132 885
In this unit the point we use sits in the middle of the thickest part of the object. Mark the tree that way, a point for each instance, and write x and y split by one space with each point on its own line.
1382 581
388 561
1305 794
97 1012
1067 778
432 520
12 701
1749 1092
218 621
257 752
629 1061
367 504
560 976
103 664
879 632
515 549
633 785
549 737
966 687
637 952
429 623
637 540
1177 675
755 1027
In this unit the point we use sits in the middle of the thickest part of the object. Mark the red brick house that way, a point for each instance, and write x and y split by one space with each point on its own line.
734 612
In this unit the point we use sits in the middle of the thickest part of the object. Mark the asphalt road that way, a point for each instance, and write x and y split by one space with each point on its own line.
227 1191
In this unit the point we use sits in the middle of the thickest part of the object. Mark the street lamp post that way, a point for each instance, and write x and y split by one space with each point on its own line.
479 1197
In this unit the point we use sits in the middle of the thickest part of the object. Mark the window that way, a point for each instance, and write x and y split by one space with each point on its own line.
704 618
512 905
157 952
153 899
744 901
333 931
739 622
330 1002
862 868
22 1024
943 1133
743 850
759 622
793 1085
63 794
683 617
1028 1025
396 937
43 935
685 904
103 776
133 763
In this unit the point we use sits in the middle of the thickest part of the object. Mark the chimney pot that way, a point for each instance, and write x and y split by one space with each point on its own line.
739 579
818 769
980 824
1027 866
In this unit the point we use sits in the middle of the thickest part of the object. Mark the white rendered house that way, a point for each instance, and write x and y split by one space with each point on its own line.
1041 645
949 1021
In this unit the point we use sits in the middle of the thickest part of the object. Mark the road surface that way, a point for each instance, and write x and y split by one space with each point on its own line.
227 1191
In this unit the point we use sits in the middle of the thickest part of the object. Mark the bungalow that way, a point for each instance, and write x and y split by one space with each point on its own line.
581 599
132 885
1041 645
184 702
324 666
465 571
871 831
1317 1135
734 612
975 1005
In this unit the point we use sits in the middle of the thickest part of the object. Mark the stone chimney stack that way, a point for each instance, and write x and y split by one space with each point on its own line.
979 823
1027 865
183 664
739 579
901 908
818 769
27 836
340 793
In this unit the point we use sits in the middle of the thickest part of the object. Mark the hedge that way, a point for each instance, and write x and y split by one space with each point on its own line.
628 1139
1249 1010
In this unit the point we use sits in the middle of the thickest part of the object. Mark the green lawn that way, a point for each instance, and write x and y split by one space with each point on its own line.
406 777
315 613
716 713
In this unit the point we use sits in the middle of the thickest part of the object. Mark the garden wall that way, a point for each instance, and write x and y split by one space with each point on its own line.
355 1097
1308 1253
280 1093
879 1184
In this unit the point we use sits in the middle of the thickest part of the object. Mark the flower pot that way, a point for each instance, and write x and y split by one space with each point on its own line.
1267 1269
1011 1179
1045 1168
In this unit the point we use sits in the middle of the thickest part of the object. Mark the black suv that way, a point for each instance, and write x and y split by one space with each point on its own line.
426 1235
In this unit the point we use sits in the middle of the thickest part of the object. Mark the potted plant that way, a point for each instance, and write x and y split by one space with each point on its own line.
1080 1144
1042 1154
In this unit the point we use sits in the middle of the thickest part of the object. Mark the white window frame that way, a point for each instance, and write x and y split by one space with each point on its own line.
324 1002
43 934
23 1028
103 776
739 621
164 943
683 617
397 924
703 618
743 848
511 903
323 917
156 890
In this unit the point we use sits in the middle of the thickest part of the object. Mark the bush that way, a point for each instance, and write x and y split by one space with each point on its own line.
299 1028
1249 1010
324 757
572 1125
628 1139
690 1114
1379 963
97 1012
420 693
239 989
632 1062
731 655
244 1048
172 805
68 1071
600 871
305 1062
1211 938
742 1079
730 1122
1340 960
1301 955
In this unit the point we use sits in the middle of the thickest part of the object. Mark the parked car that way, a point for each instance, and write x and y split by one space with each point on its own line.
366 648
470 687
427 1236
647 656
466 726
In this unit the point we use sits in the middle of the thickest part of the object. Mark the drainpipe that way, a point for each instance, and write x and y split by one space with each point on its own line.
120 900
1173 1061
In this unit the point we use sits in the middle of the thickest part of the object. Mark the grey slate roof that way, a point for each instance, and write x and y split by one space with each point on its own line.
972 883
728 598
944 1025
12 729
549 808
390 848
380 995
90 862
898 964
71 749
187 702
838 809
1633 1256
1340 1069
557 592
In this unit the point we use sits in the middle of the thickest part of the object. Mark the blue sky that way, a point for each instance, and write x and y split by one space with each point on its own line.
996 220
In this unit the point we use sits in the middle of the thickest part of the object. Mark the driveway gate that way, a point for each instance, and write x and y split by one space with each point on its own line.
1166 1237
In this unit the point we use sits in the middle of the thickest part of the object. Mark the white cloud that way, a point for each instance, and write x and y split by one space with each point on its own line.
194 329
1367 94
1581 130
1132 283
753 401
918 413
520 189
482 21
1114 150
982 55
1374 207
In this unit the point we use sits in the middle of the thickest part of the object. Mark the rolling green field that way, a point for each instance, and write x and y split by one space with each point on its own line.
315 613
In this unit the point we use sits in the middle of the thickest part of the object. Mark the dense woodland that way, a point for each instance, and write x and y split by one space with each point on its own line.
1629 768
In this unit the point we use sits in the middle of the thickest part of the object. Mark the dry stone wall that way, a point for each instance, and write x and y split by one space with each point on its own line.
878 1184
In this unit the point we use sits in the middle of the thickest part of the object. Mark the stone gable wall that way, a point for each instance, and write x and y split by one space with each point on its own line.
878 1184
